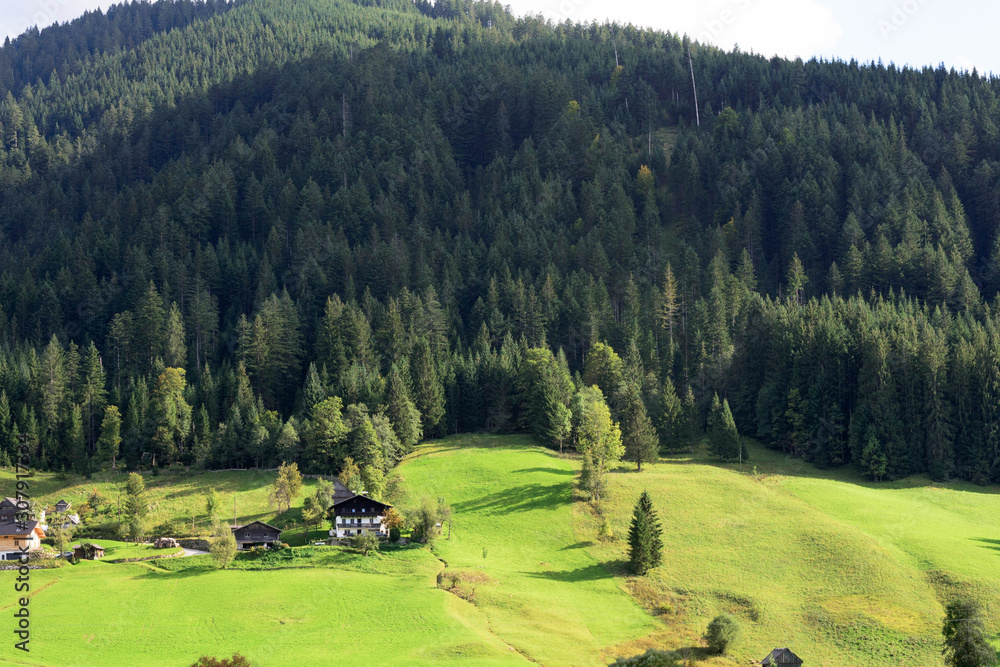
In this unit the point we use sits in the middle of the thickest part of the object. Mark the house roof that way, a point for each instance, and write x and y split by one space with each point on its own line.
62 503
266 525
17 527
354 498
781 656
8 503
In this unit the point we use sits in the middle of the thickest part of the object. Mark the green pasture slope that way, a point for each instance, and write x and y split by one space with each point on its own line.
138 614
843 571
538 584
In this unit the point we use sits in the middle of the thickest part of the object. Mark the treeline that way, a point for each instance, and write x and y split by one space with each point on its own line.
306 231
64 50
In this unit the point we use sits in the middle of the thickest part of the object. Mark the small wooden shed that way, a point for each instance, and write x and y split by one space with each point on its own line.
780 656
62 506
88 551
255 534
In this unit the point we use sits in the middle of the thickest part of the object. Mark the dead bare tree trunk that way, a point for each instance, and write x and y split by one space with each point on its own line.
694 87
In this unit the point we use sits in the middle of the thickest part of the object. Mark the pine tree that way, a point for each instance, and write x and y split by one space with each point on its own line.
645 537
724 439
136 507
326 436
149 328
110 439
93 394
401 410
692 421
670 424
76 444
7 442
174 348
429 391
796 280
965 643
638 436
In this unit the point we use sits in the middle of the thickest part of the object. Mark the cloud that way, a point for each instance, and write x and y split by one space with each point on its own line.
784 27
791 28
42 13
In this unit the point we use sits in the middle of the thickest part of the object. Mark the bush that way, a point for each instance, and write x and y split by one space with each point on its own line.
236 661
651 658
365 543
394 534
722 631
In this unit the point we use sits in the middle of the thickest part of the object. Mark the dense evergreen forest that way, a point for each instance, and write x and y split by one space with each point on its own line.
233 234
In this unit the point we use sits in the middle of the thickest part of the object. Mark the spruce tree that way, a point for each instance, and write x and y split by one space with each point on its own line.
429 392
645 537
110 439
965 643
670 426
638 436
724 439
400 408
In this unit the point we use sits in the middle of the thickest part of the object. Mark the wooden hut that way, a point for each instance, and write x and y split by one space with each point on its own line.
780 656
88 551
255 534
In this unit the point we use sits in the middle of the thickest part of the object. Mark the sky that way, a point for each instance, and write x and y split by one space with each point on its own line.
959 33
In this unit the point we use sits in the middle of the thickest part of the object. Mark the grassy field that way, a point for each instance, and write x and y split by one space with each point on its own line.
114 550
140 614
515 550
845 572
175 498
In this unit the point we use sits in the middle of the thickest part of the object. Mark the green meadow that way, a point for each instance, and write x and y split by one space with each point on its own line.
514 540
842 571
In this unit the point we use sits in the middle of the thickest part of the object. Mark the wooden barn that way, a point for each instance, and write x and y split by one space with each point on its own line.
780 656
88 551
255 534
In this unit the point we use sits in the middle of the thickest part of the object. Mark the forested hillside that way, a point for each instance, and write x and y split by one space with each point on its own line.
233 234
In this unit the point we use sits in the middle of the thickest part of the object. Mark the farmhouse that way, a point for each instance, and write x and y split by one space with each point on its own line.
62 506
9 510
357 515
781 656
255 534
88 551
15 536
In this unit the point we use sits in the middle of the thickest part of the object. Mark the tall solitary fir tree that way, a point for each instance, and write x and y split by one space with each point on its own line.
645 537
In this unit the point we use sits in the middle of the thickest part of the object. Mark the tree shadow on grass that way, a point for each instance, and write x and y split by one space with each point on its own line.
522 498
592 572
578 545
988 543
551 471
